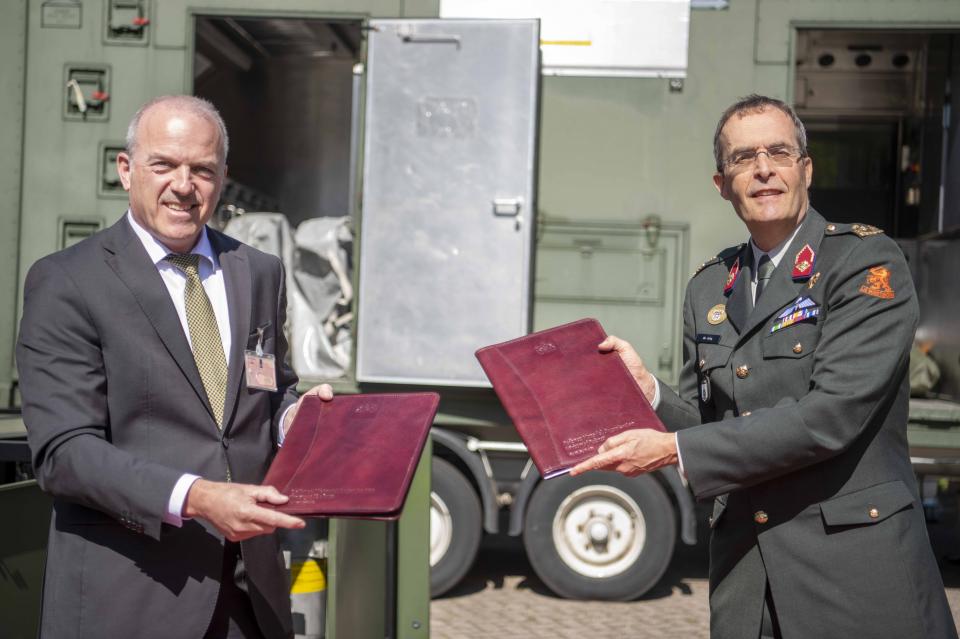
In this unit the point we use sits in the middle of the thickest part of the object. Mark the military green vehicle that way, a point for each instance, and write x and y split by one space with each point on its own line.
435 181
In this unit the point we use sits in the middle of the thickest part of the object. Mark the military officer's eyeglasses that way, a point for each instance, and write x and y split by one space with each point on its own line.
779 155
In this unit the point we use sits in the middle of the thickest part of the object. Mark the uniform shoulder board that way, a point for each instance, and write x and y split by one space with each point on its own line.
860 230
719 257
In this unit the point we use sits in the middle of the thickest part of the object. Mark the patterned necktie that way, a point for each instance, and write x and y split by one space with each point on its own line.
764 271
204 334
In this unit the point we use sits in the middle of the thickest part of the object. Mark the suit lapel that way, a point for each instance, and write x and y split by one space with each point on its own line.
781 289
740 301
129 260
238 284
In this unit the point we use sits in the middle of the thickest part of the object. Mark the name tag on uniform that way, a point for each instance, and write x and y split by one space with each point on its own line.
260 367
707 338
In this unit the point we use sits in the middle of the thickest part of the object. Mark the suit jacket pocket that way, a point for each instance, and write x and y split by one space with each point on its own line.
74 514
254 335
868 505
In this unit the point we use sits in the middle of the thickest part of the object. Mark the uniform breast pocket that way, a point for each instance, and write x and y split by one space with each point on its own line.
712 356
793 342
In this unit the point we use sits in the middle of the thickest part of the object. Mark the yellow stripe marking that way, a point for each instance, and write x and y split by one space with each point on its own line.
568 43
307 576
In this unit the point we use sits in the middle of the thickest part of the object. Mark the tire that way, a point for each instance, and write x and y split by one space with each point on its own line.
455 527
634 533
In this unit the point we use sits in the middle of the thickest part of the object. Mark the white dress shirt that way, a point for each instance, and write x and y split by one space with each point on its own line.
211 276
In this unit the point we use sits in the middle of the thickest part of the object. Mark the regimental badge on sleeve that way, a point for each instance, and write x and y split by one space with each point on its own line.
877 283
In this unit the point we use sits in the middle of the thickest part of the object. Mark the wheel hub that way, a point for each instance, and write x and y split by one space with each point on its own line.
599 531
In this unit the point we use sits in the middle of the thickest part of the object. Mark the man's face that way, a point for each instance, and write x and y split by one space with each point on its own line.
175 175
764 193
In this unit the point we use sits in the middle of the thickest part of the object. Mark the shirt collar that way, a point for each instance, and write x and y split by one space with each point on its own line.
157 251
777 252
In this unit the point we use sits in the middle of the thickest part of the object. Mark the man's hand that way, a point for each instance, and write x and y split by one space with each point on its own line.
234 508
632 452
323 391
634 364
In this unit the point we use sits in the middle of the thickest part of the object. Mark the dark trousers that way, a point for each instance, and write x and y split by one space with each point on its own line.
233 616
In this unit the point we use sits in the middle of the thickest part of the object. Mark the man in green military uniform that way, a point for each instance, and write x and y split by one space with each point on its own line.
792 409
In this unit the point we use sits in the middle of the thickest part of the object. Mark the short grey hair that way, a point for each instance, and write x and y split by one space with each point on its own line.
751 104
189 103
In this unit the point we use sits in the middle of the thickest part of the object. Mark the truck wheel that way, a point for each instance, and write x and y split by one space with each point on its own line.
600 536
454 527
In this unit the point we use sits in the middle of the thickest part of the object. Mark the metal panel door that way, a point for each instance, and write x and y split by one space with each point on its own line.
448 201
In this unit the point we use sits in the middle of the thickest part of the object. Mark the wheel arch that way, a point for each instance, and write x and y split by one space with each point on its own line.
456 448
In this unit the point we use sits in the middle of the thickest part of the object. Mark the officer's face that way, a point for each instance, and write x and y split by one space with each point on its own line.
765 193
175 175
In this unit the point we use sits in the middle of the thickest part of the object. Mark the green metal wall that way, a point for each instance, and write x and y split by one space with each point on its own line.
613 150
13 51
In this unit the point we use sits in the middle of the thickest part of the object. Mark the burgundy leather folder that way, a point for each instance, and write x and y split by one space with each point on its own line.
353 456
564 396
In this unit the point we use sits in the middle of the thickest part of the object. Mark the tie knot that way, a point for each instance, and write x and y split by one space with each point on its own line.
186 262
765 268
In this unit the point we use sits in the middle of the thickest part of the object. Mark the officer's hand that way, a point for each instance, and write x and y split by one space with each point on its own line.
323 391
634 364
234 508
632 453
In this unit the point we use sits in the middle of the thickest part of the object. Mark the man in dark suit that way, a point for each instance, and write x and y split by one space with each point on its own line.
792 409
141 420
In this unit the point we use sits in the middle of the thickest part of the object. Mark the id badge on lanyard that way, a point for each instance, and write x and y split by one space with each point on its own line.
261 368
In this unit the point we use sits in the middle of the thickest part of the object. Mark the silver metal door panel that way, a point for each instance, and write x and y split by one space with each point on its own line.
448 200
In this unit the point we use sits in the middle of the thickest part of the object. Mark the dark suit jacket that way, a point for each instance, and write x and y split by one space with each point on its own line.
116 413
803 443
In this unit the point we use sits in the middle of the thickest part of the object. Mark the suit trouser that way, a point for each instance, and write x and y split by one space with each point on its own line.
233 616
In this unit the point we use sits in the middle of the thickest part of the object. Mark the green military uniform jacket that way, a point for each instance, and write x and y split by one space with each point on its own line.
799 432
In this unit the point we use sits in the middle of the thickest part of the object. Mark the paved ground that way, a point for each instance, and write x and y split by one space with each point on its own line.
502 598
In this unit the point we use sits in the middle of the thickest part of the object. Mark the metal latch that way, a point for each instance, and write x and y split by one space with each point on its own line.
507 206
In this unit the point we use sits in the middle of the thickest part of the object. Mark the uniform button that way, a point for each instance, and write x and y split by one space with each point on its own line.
798 348
760 517
702 363
743 371
745 413
874 513
831 227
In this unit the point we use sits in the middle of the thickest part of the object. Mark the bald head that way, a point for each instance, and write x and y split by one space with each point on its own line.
187 105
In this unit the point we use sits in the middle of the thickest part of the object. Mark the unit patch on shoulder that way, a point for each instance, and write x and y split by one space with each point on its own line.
877 283
865 230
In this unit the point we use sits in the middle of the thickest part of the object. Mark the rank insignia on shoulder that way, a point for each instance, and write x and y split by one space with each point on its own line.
865 230
877 283
803 263
717 314
732 277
